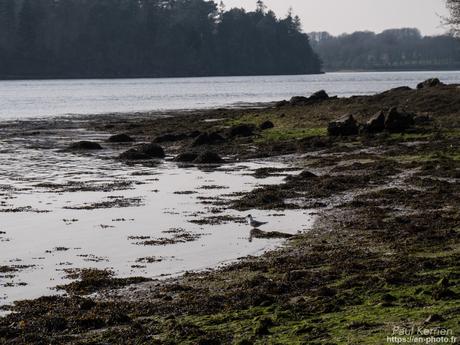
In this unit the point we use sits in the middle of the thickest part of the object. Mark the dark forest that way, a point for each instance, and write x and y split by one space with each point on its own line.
147 38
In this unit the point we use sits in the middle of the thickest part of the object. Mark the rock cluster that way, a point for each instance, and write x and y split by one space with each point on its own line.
393 121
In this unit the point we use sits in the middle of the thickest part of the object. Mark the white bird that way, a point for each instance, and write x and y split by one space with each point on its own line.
254 223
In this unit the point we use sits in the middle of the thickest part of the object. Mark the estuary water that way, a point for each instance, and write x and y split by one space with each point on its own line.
23 99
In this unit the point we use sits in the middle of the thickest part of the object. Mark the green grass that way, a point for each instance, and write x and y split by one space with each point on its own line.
368 322
283 134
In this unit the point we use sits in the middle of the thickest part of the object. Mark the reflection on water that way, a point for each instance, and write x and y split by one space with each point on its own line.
37 98
60 210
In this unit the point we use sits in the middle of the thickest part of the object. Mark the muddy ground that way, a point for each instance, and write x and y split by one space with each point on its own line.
384 253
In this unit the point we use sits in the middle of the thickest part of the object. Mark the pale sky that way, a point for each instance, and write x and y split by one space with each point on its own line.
339 16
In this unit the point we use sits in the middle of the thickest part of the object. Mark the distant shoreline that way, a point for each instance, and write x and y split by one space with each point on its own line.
18 78
7 78
427 69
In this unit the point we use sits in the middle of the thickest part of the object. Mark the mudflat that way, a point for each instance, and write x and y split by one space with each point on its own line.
382 173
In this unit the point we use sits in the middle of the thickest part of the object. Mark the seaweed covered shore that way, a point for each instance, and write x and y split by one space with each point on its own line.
382 257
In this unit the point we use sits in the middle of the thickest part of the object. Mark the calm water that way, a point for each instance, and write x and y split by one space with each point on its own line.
44 230
40 98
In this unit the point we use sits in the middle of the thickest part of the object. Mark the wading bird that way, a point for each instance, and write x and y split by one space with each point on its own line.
254 223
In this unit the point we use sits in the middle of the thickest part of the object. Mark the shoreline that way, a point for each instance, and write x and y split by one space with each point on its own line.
353 276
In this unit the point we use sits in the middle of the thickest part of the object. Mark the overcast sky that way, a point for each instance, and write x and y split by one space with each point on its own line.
339 16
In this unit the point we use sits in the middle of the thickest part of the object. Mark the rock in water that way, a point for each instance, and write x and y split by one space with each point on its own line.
84 146
345 126
397 121
186 157
153 150
120 138
143 152
319 96
433 82
266 125
208 157
376 124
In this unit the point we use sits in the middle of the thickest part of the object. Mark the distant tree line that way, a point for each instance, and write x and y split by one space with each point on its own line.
454 19
395 49
148 38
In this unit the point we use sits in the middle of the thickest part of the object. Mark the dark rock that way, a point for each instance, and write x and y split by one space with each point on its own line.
433 82
398 89
376 124
266 125
143 152
120 138
133 154
153 150
186 157
84 146
243 130
319 96
397 121
208 139
298 100
170 137
281 103
344 126
208 157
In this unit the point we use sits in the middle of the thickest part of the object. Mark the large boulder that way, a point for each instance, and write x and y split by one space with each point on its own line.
208 139
298 100
186 157
208 157
281 103
144 152
319 96
84 146
433 82
376 123
398 121
242 130
266 125
345 126
120 138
